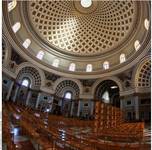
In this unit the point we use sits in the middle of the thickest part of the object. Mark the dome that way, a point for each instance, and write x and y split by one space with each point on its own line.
69 33
63 25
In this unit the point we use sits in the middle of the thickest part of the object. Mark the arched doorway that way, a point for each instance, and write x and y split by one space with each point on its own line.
67 103
28 83
108 92
23 90
67 93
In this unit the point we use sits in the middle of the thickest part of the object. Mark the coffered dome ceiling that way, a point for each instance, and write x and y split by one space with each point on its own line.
72 33
64 25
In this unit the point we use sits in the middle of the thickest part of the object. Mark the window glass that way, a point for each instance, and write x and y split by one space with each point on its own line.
72 67
106 65
86 3
68 95
55 63
25 82
146 24
106 97
89 68
26 43
137 45
11 5
40 55
128 102
122 58
16 27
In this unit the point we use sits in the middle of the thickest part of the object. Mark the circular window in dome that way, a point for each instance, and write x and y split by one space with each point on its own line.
86 3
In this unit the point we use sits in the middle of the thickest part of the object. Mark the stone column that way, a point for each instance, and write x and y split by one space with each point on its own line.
78 112
121 104
51 103
92 107
38 100
71 111
123 107
136 99
15 94
28 97
10 90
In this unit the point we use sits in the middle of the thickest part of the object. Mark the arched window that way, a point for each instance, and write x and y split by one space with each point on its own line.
68 95
26 82
146 24
89 68
16 27
122 58
40 55
137 45
26 43
55 63
106 65
72 67
106 97
11 5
